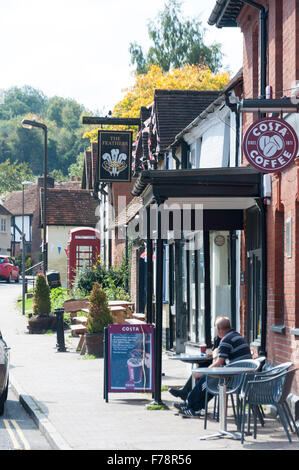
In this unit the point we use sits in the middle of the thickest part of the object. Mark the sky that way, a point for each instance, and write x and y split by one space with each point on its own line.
80 50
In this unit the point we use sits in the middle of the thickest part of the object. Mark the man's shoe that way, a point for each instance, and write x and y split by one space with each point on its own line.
178 393
180 406
189 413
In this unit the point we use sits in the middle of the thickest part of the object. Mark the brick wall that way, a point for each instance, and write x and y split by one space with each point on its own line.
282 271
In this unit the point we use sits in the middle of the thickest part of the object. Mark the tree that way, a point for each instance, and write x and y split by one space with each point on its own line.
12 175
189 77
18 101
99 315
176 41
76 169
41 302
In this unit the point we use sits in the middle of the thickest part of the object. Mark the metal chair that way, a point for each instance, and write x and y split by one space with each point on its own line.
233 386
268 370
270 390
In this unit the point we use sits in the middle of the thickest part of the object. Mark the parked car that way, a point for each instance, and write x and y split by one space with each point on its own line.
4 373
8 270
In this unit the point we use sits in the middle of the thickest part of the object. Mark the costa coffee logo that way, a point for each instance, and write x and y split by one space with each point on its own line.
270 145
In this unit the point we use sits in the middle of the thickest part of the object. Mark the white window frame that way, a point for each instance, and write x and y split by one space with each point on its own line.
3 225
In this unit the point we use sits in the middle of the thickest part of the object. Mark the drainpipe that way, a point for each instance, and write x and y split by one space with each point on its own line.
262 209
234 108
263 52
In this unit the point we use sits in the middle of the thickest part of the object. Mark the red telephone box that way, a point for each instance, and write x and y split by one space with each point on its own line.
83 249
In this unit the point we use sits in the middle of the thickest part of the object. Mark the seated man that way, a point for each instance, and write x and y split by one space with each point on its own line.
232 347
183 391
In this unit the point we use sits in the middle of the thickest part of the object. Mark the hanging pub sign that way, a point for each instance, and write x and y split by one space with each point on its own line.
114 156
270 145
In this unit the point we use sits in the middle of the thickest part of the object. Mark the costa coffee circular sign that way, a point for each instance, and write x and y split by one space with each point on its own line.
270 145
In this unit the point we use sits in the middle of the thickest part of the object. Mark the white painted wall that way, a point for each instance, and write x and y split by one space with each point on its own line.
210 141
27 228
5 236
212 147
58 236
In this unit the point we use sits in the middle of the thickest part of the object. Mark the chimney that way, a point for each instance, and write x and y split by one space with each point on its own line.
50 182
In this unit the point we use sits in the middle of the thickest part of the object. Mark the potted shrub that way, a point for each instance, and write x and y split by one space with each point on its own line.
98 318
42 320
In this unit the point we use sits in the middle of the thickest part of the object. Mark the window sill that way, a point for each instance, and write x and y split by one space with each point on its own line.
281 329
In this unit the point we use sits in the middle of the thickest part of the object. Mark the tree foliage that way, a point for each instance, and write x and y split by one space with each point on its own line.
176 41
41 301
63 118
12 175
189 77
99 315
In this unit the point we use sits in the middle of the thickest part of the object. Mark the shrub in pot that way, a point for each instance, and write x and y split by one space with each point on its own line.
42 320
98 318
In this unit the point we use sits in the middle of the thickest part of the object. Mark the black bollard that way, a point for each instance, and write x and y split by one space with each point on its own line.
60 330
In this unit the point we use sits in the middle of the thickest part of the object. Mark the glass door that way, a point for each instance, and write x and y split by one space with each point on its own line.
195 288
220 276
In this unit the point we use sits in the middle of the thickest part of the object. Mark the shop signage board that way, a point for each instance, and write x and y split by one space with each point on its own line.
129 358
270 145
114 156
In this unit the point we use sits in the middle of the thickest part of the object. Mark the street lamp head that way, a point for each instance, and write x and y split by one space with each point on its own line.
29 123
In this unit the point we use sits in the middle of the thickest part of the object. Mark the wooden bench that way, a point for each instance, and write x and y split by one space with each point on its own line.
73 306
118 313
77 330
140 316
80 320
134 321
125 304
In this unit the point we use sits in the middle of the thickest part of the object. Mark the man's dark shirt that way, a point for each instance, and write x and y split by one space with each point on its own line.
233 347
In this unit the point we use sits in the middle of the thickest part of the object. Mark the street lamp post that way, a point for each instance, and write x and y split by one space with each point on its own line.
28 124
24 183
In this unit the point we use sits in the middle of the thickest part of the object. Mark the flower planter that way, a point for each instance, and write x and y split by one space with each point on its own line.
39 324
94 343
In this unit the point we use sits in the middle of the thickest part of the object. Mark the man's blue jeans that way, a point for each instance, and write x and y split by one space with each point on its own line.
196 398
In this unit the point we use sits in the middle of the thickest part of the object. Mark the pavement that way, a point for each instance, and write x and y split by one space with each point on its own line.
63 392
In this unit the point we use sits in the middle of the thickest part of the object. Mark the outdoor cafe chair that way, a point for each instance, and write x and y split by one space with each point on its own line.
233 386
267 371
270 390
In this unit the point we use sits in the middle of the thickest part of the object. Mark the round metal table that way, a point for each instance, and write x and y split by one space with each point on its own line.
222 373
196 360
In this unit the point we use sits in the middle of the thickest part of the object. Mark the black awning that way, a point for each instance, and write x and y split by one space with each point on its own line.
156 186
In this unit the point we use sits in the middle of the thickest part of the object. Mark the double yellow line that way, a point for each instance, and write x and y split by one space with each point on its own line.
14 430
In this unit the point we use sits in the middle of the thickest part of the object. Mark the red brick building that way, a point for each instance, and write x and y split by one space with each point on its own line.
271 58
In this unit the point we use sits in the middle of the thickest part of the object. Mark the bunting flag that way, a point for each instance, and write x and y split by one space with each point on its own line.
59 249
